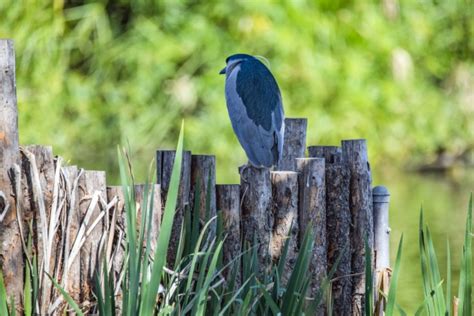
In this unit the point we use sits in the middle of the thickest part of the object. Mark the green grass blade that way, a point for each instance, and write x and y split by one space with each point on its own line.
149 298
465 282
448 278
3 297
394 281
66 296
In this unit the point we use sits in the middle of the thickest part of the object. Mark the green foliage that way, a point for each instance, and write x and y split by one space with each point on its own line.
92 74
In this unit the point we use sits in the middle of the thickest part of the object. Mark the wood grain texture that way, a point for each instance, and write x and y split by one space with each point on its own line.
285 219
256 212
228 202
203 171
90 183
11 261
164 167
338 225
73 285
312 211
294 144
354 153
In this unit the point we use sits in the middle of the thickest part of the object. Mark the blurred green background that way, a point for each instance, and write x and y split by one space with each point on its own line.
94 74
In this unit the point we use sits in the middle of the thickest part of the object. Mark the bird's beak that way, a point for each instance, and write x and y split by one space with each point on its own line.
222 72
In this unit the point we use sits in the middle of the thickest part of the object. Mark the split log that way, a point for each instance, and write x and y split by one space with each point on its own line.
294 144
338 225
92 190
312 211
256 212
354 153
285 219
164 166
203 177
228 202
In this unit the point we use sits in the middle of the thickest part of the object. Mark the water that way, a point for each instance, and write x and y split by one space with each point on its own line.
444 199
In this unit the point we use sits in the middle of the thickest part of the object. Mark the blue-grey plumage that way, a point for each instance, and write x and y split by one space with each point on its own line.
255 109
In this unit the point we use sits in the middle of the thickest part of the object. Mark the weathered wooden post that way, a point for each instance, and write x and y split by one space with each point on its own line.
92 187
72 275
156 212
381 199
203 171
338 225
39 176
354 153
294 145
256 212
285 218
228 202
312 211
11 257
164 167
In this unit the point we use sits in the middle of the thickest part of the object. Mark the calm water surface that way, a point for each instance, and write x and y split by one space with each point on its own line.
444 199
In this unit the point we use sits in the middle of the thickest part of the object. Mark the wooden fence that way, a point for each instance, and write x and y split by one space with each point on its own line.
77 219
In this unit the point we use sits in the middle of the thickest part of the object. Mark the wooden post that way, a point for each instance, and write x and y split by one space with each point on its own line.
73 285
338 225
294 144
228 202
203 170
91 186
331 154
312 210
119 243
355 155
256 212
381 199
11 253
164 167
156 213
39 171
285 217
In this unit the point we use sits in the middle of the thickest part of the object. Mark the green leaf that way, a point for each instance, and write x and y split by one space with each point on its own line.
394 281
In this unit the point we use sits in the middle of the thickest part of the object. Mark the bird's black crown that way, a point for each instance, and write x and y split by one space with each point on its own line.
239 56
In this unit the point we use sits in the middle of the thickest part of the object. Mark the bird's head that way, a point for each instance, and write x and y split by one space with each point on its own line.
232 61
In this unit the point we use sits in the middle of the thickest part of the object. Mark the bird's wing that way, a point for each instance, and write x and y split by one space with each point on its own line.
256 113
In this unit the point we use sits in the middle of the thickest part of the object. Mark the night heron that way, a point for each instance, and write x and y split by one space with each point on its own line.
255 109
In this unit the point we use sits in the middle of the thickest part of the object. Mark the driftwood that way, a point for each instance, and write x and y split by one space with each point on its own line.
256 212
354 153
164 166
11 262
228 203
285 218
294 144
338 225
